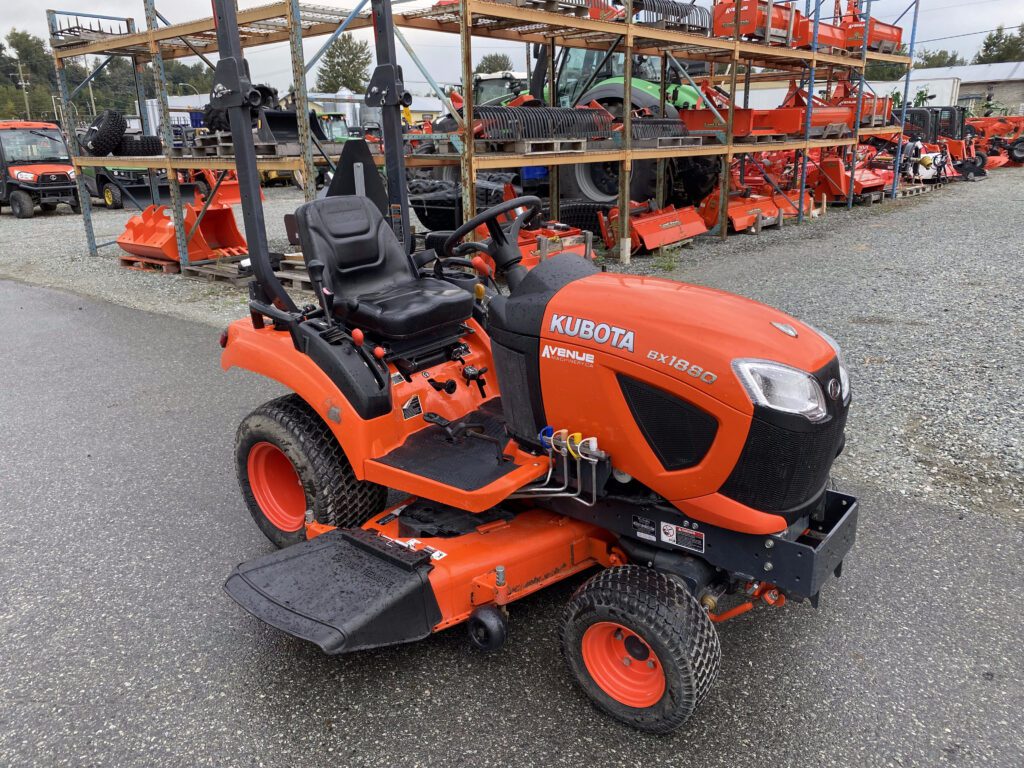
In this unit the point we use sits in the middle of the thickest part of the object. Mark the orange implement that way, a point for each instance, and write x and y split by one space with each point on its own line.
151 233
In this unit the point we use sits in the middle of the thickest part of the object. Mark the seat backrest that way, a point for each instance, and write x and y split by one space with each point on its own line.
358 249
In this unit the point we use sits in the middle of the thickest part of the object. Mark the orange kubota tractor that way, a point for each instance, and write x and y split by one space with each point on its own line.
675 439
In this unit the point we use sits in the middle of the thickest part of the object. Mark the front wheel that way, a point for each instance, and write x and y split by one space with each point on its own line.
21 204
287 461
641 647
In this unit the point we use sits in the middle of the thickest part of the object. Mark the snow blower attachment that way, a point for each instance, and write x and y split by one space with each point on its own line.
538 423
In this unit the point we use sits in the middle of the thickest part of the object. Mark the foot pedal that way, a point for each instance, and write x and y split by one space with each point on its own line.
345 590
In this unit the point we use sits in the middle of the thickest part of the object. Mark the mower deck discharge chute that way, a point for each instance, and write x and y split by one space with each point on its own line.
537 423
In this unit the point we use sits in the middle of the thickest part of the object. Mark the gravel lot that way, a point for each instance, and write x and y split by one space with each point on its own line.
923 294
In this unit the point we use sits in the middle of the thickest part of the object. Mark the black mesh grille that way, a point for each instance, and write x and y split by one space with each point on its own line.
679 433
780 469
53 179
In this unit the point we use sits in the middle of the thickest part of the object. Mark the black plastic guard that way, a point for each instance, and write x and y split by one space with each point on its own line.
345 590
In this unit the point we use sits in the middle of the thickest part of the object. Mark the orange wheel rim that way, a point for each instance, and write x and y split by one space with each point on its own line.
623 665
277 487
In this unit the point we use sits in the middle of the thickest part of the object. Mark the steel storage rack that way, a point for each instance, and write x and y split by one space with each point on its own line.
554 24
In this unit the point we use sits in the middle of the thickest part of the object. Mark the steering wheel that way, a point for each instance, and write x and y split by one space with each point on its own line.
503 247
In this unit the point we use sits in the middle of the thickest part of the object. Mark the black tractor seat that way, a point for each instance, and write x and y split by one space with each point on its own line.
375 284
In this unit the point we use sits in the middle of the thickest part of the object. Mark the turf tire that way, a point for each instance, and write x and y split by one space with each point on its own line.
668 619
331 488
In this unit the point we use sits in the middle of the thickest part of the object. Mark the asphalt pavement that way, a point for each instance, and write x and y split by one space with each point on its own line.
121 518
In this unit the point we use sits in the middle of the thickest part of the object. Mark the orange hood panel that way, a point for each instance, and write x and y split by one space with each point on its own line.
40 169
684 331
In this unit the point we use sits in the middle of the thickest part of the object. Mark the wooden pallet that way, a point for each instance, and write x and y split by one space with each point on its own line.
148 264
909 190
293 274
771 138
660 142
562 7
222 271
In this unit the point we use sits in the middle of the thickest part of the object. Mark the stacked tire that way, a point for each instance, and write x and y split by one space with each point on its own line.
139 146
106 136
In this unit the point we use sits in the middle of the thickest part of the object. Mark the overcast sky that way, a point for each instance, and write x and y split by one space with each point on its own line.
938 19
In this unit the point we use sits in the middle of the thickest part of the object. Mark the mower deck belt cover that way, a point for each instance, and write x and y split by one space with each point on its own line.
379 592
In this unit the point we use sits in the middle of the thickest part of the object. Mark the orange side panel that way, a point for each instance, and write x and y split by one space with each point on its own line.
536 548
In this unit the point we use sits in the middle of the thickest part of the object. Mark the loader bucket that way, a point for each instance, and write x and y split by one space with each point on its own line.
282 126
151 234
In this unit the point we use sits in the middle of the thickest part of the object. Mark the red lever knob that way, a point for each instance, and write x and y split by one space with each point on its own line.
480 265
379 352
358 337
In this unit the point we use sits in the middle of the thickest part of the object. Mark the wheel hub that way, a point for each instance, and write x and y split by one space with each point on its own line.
623 665
277 487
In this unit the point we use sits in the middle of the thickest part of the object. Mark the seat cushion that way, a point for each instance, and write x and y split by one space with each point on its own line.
411 307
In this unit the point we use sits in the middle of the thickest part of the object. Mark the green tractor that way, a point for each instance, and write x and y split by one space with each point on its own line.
583 76
586 76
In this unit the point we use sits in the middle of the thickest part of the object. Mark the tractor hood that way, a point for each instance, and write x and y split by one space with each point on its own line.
689 332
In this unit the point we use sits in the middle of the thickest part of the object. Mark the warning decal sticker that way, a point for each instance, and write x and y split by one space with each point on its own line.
681 536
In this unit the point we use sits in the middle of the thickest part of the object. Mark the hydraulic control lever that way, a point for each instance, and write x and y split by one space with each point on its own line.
473 374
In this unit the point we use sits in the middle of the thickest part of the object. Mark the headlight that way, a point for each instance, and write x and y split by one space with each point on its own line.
71 173
782 388
844 377
25 176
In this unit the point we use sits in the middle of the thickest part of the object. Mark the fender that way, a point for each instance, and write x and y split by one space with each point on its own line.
271 353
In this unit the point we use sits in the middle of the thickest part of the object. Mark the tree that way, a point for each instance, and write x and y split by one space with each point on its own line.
883 70
999 46
345 65
931 59
494 62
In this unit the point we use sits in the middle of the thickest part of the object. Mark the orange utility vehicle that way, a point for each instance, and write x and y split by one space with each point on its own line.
674 438
35 168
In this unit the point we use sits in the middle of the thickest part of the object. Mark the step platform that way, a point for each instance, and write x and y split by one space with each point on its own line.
346 590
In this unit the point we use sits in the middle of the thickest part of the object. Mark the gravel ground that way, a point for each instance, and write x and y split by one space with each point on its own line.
50 250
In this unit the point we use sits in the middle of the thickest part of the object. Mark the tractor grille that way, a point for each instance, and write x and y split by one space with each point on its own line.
53 180
781 469
679 433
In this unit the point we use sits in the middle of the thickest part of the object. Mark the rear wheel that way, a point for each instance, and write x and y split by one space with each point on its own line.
21 204
288 461
641 647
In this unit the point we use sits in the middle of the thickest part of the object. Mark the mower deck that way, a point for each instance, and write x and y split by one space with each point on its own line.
418 568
